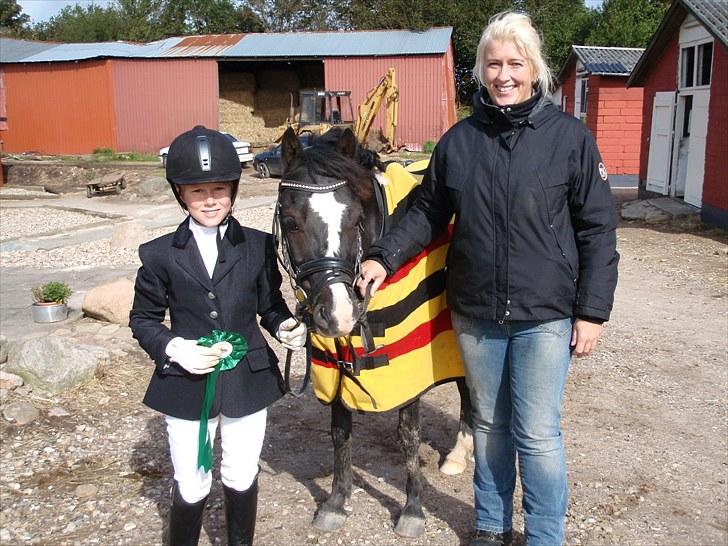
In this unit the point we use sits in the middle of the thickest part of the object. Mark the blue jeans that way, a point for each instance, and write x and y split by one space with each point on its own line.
516 372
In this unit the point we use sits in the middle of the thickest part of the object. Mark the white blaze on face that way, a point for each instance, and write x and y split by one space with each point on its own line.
331 213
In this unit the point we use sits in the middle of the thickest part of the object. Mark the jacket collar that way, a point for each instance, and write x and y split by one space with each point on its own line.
232 250
534 111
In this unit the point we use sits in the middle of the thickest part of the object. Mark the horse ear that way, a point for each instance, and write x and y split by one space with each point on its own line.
290 147
347 144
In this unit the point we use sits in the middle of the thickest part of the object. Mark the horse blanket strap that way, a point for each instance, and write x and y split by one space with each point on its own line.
417 349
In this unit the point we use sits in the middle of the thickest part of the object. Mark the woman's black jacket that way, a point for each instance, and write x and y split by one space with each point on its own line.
534 233
245 284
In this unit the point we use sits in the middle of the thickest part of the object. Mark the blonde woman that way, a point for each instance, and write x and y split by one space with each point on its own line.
531 272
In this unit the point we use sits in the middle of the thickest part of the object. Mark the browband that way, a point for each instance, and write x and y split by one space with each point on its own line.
315 188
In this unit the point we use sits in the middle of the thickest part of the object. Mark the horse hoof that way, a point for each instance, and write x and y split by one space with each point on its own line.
329 521
452 467
410 527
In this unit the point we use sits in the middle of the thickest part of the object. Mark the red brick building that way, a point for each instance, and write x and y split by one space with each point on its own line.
592 87
684 73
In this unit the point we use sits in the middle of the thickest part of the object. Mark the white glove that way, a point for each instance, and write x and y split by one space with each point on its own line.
292 334
193 357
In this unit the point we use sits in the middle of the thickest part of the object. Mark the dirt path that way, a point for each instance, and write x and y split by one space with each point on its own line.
644 422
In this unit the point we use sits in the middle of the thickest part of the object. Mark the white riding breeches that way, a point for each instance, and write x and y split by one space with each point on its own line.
242 442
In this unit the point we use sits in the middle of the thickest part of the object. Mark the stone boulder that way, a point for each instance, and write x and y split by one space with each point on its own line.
128 235
153 187
3 349
110 302
54 364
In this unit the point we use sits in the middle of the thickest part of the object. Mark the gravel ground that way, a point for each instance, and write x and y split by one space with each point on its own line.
25 222
644 422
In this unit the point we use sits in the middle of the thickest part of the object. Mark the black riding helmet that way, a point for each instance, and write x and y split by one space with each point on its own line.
202 155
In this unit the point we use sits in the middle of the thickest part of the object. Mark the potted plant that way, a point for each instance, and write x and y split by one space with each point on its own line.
49 301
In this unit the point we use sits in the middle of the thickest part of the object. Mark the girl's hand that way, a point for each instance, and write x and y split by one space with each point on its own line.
584 336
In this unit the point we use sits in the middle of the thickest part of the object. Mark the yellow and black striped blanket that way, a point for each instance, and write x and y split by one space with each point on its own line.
408 317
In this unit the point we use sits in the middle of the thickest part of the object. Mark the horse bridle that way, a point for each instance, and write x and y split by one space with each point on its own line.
336 270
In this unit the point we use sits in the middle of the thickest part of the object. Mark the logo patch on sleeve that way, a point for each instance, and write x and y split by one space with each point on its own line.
602 171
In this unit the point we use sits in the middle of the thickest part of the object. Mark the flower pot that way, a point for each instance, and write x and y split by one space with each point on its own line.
49 312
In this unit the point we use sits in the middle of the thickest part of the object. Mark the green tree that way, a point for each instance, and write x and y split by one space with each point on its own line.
627 23
292 15
81 24
12 19
562 23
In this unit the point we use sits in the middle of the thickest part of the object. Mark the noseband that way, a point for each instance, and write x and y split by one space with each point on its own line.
335 270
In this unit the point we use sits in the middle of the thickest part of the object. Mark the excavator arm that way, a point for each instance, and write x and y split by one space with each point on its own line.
385 91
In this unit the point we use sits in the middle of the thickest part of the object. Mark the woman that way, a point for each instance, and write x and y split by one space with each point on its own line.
215 277
531 271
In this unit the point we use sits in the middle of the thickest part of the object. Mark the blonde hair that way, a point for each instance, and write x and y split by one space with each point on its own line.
511 26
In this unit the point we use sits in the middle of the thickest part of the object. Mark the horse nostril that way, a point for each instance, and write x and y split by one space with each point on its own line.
321 313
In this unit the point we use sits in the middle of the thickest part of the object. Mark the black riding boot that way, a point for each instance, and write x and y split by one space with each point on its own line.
185 520
240 511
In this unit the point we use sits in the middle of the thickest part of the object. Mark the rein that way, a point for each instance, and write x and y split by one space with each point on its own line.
336 270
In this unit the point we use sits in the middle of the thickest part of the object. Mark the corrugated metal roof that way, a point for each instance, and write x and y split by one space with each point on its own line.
711 13
344 44
608 61
13 50
603 61
240 46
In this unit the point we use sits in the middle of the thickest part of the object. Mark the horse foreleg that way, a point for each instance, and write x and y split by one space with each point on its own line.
331 515
411 522
457 460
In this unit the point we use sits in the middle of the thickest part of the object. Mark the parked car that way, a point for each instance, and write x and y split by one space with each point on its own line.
269 163
242 147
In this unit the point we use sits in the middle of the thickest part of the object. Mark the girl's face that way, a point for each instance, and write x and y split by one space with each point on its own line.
508 74
208 203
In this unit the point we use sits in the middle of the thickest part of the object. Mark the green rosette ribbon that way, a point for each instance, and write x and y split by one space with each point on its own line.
236 349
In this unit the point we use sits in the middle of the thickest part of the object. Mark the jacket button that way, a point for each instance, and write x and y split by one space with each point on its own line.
508 313
211 295
213 314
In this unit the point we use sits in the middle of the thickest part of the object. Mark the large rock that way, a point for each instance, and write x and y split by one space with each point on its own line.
153 187
54 364
128 235
110 302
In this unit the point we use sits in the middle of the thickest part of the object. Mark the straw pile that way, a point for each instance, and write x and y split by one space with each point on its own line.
255 107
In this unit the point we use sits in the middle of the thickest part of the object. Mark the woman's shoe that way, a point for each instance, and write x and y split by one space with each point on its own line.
490 538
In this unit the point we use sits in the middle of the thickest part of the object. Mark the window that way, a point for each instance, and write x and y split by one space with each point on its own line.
696 64
705 61
584 95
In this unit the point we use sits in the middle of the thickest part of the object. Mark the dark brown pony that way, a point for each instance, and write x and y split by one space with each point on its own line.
327 214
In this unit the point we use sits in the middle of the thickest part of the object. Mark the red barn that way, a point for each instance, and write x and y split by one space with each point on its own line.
592 87
684 73
74 98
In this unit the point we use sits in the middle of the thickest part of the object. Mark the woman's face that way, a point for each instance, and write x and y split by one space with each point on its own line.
508 74
209 203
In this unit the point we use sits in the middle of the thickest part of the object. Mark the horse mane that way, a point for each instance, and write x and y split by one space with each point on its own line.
323 159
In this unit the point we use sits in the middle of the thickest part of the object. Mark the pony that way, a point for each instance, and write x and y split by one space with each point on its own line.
331 206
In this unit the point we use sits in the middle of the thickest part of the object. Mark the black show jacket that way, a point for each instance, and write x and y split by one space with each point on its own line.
245 283
534 234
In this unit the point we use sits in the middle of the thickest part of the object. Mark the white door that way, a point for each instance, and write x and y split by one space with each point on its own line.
696 154
658 162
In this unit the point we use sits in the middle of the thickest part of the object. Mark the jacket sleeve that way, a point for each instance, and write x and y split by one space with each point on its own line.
148 312
272 307
426 219
594 220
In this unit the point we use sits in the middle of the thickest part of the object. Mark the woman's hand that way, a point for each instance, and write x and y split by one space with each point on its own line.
584 336
373 272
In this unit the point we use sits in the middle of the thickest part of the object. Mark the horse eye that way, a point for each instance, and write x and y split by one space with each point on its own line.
289 224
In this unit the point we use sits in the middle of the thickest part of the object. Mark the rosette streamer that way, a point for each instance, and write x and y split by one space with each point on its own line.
235 348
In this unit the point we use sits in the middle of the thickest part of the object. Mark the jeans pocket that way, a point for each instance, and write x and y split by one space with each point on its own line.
558 327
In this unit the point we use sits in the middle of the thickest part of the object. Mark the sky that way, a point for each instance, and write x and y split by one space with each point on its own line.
42 10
